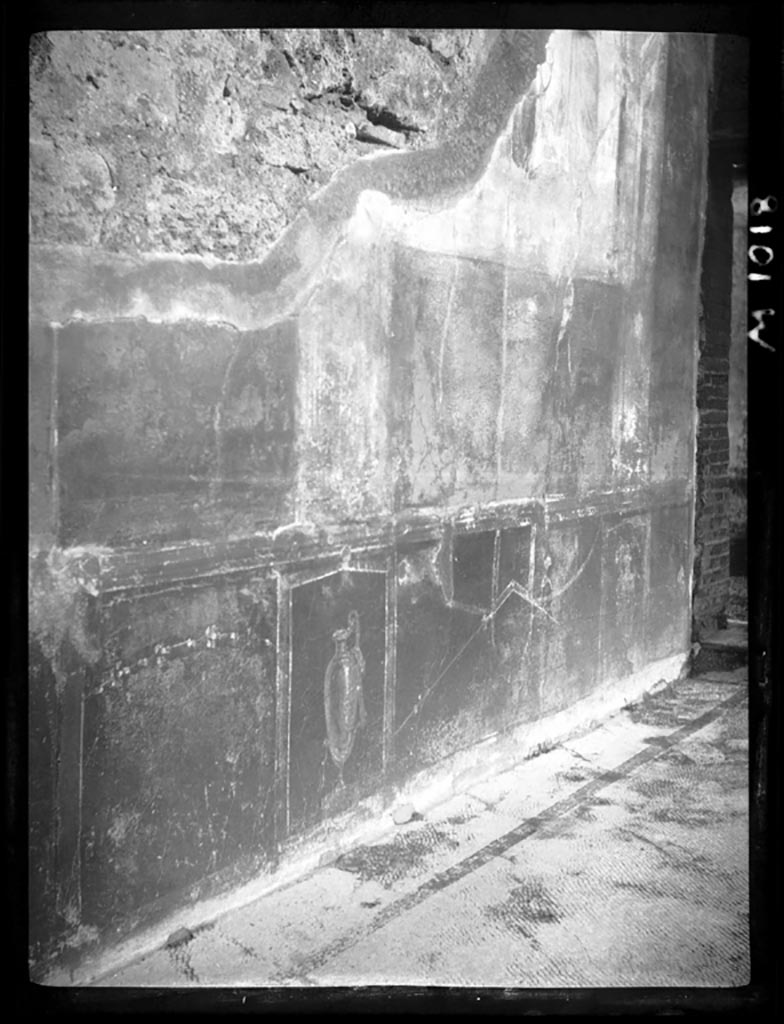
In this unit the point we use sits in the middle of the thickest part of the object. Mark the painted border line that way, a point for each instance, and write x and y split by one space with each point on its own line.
505 842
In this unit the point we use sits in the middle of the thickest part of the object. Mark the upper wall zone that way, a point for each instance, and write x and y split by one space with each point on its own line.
484 337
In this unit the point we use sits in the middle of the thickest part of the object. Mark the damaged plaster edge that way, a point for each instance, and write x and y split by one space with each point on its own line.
76 283
371 819
79 569
253 295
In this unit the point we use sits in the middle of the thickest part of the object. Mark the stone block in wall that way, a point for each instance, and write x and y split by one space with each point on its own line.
377 133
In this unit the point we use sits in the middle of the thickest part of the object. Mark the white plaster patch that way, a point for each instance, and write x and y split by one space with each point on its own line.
121 825
639 324
372 213
629 423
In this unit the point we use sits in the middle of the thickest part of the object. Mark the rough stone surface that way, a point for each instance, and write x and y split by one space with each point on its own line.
209 142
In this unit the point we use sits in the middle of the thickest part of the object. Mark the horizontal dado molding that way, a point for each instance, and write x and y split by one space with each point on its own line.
106 571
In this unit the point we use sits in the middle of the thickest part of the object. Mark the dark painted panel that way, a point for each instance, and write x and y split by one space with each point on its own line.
421 446
445 377
423 623
167 432
534 308
459 677
514 556
257 419
43 710
669 553
463 426
624 572
472 568
440 658
571 644
342 393
669 580
178 752
318 610
431 668
510 693
579 409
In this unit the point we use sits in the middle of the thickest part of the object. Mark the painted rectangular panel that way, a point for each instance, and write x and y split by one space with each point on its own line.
624 593
579 411
321 782
461 675
342 389
445 373
172 432
668 609
255 426
531 397
44 721
178 753
438 648
514 557
570 641
534 309
472 568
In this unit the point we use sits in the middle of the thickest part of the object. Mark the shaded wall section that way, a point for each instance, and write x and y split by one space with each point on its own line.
721 483
422 475
737 408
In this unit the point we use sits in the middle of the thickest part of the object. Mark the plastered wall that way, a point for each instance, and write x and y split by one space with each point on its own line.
446 385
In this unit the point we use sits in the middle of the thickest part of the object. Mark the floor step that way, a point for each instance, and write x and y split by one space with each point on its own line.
723 650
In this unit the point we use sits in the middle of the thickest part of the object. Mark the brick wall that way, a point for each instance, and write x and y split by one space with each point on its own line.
720 470
712 545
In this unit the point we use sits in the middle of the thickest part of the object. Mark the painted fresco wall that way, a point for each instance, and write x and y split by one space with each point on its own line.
423 473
